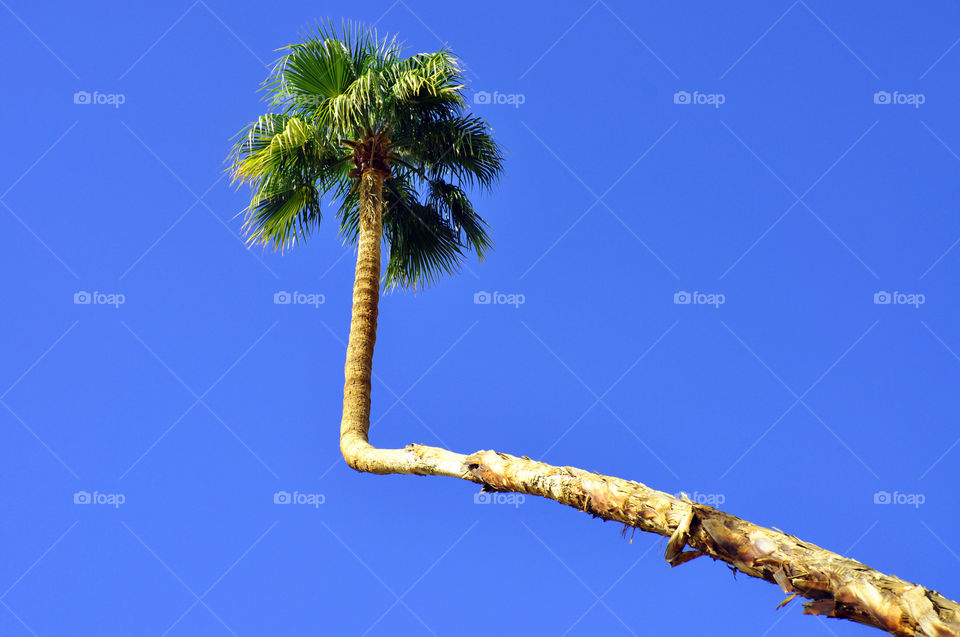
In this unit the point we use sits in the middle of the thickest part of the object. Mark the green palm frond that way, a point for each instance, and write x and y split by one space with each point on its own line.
283 214
426 78
452 146
338 89
457 211
289 167
276 143
423 244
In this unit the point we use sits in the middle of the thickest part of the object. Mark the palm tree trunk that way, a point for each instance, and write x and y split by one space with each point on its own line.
839 586
363 326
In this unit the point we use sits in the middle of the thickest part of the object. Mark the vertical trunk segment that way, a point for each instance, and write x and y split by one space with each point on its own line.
355 424
839 587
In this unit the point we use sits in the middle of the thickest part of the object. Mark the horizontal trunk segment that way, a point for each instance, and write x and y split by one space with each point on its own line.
838 586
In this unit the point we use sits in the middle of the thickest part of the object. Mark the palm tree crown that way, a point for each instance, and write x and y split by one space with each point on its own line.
349 102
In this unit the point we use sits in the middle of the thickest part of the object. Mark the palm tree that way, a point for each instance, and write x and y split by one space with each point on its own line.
388 138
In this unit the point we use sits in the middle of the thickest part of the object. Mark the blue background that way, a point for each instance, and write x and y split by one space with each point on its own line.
794 403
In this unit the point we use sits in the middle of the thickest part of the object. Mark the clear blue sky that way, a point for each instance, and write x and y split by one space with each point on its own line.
813 166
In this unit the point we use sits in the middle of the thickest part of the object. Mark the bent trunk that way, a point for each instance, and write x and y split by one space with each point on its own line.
355 424
839 587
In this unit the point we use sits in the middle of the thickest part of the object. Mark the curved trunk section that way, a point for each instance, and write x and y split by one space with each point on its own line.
839 587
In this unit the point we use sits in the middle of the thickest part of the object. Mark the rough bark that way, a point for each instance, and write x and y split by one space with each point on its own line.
838 586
